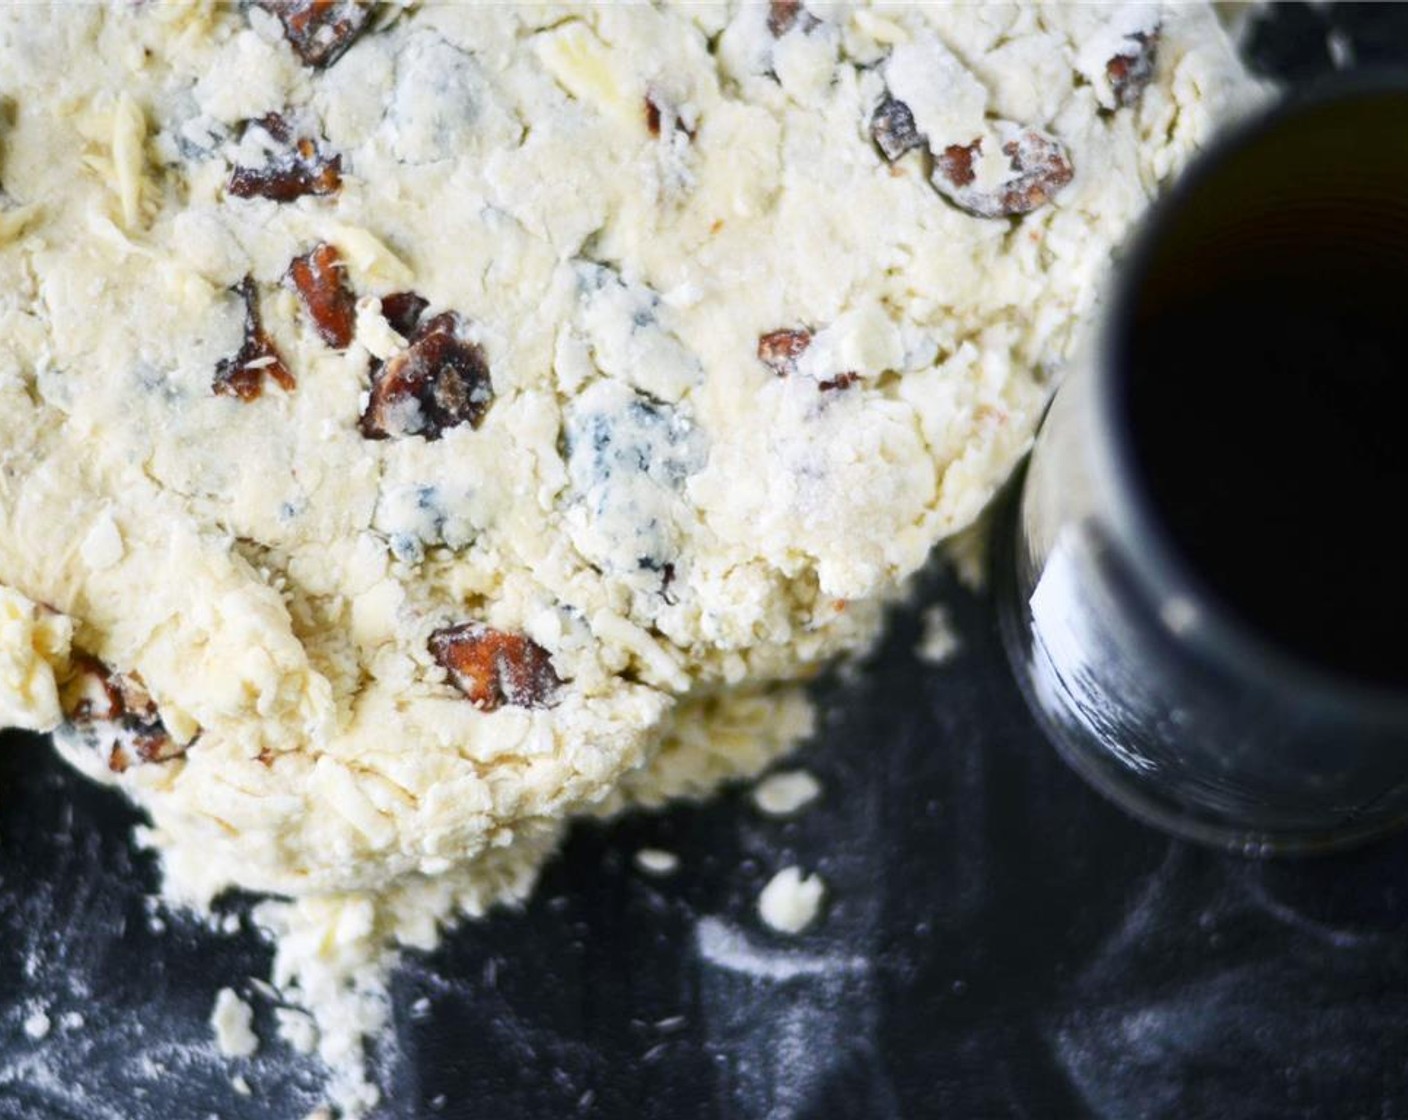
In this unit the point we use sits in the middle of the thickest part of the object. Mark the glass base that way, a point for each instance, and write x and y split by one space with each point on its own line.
1137 796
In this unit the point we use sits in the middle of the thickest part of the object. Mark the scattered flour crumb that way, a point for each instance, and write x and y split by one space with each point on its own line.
71 1021
1341 49
37 1025
265 989
240 1085
784 793
655 861
790 902
723 946
940 640
967 554
230 924
421 1008
232 1021
297 1029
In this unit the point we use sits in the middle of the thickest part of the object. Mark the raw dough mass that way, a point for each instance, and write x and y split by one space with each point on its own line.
422 427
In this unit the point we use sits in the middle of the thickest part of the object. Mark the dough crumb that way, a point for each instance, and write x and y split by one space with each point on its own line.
241 1086
655 861
791 901
232 1020
939 641
71 1021
37 1025
297 1029
786 792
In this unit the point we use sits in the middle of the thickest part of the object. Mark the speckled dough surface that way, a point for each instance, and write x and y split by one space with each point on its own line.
418 426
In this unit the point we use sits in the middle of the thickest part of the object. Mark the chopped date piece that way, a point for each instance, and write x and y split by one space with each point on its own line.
1039 165
298 166
117 711
402 311
493 667
243 375
893 128
784 15
779 350
319 31
439 381
1133 69
317 277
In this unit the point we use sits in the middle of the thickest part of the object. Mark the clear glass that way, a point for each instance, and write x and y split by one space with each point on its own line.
1180 713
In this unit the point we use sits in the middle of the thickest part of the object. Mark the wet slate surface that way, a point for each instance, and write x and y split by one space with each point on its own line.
998 942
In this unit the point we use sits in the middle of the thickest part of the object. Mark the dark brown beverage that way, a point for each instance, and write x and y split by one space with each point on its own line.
1264 385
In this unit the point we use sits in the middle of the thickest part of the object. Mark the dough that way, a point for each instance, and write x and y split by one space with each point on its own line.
420 427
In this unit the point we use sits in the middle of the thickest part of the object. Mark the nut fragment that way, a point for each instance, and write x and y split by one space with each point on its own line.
297 166
439 381
840 381
893 129
317 277
319 31
779 350
1133 69
659 111
493 667
118 713
1039 170
784 15
243 375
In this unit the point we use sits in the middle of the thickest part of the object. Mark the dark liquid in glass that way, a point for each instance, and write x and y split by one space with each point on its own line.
1265 390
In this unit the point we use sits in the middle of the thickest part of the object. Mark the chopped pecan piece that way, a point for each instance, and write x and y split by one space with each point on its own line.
319 31
840 381
892 126
317 277
1039 170
119 713
784 15
493 667
1133 69
658 111
297 166
439 381
779 350
402 310
243 375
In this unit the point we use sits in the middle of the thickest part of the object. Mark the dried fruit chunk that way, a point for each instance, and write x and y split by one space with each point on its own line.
243 375
784 15
402 311
297 166
779 350
493 667
317 277
319 31
1133 69
1038 165
439 381
118 713
893 128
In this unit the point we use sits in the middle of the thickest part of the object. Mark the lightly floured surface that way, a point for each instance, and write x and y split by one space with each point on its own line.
726 374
